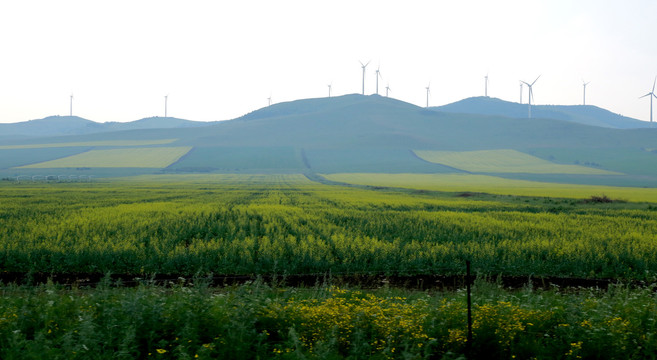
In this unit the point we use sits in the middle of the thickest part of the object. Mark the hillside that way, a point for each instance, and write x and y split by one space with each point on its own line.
583 114
357 134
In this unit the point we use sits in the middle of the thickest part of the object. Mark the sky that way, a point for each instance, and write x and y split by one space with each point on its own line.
218 60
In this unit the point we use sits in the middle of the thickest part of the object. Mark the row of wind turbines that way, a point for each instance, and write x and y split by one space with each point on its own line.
651 94
522 82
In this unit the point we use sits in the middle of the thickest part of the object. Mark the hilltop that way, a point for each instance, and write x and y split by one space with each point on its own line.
583 114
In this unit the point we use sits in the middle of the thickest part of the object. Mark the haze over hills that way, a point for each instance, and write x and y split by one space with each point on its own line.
351 133
583 114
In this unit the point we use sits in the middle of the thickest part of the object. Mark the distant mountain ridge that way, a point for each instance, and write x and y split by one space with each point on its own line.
583 114
75 125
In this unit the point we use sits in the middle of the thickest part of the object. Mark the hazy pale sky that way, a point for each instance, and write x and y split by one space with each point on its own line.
218 60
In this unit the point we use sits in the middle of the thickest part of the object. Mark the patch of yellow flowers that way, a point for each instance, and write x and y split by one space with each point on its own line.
387 322
392 323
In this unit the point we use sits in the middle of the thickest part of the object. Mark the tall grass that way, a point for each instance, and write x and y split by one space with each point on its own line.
259 321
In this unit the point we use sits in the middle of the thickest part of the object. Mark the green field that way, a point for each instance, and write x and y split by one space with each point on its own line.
254 224
239 158
151 157
369 160
629 160
504 161
192 228
90 144
495 185
18 157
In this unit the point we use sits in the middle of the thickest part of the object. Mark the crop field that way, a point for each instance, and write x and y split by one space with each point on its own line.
504 161
22 156
242 224
238 158
195 227
644 161
369 160
495 185
149 157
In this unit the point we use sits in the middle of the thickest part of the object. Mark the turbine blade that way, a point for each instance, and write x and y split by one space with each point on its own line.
648 94
525 83
653 84
536 79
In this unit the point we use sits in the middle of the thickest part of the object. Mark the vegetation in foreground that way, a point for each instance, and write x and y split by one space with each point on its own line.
257 321
289 225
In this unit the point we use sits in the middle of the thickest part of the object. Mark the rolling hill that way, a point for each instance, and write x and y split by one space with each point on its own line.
74 125
583 114
357 134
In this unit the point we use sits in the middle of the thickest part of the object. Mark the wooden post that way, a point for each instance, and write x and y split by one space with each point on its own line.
469 293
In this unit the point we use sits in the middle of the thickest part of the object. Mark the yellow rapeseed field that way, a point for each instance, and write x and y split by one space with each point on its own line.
148 157
504 161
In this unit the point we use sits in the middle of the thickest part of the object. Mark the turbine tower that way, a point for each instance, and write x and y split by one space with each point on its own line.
329 87
378 75
486 85
584 96
364 66
531 94
428 92
651 94
166 98
269 100
521 92
387 89
71 106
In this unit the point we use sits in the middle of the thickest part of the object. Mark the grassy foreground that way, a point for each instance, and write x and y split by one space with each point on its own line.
257 321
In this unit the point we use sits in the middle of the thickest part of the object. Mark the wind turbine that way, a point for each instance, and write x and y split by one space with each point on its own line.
531 94
428 92
651 94
378 75
269 100
584 96
387 89
364 66
521 91
71 106
486 85
166 98
329 86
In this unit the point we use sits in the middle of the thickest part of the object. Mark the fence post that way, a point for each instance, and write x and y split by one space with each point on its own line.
468 344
